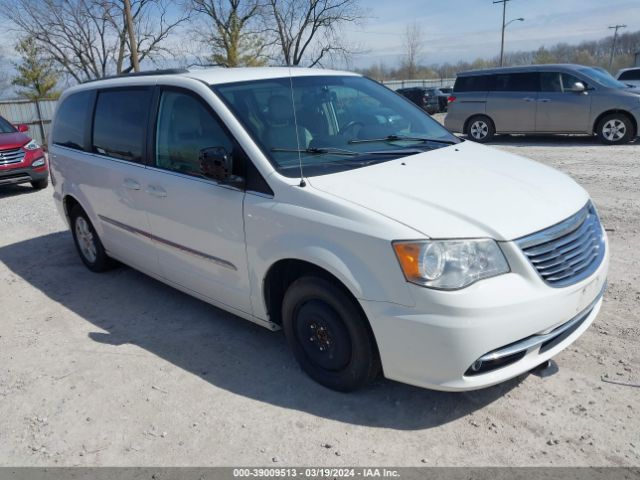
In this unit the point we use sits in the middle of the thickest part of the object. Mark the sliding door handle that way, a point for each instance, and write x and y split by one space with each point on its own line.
131 184
156 191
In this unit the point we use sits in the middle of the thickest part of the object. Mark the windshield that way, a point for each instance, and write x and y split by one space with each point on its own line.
603 77
331 123
6 127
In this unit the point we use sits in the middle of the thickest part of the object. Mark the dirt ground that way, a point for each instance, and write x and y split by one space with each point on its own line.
119 369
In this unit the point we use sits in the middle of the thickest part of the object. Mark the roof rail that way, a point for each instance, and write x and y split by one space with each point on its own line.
146 73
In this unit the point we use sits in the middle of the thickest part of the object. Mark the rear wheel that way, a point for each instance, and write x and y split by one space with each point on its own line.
480 129
40 184
615 129
88 243
329 335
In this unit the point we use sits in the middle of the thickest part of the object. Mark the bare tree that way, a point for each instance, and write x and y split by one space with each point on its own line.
88 38
234 31
413 44
308 30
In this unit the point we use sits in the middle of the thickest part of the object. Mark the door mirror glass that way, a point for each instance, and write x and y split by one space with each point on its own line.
22 128
215 163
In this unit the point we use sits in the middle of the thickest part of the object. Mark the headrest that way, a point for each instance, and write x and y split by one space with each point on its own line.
280 109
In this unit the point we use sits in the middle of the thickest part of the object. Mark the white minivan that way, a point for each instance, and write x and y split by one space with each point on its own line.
325 204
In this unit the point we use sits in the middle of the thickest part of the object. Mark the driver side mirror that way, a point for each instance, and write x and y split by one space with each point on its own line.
216 163
22 128
578 87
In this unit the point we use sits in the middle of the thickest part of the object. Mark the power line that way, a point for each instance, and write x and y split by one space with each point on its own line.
613 44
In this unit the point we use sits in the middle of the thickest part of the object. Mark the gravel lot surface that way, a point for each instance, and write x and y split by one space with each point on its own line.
119 369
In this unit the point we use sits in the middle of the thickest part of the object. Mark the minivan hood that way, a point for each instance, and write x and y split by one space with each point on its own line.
13 140
462 191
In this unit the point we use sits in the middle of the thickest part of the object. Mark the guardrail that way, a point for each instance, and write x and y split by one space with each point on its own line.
36 114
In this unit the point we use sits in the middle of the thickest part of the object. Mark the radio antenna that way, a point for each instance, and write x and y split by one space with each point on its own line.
295 121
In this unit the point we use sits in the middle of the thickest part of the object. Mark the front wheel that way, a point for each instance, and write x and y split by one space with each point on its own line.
40 184
615 129
480 129
329 335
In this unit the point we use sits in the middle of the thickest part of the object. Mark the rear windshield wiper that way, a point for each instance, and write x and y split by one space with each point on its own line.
396 138
317 151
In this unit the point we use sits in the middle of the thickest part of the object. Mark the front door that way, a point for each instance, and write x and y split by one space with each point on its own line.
561 108
196 222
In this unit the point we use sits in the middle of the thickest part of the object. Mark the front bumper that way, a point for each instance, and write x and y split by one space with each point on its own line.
435 343
13 176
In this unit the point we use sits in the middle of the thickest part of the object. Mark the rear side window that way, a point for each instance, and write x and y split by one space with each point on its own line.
474 83
630 75
120 121
516 82
72 117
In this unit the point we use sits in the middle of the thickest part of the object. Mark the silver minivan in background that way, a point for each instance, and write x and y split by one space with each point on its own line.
543 99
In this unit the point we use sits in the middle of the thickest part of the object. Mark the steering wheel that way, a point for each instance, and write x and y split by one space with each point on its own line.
351 126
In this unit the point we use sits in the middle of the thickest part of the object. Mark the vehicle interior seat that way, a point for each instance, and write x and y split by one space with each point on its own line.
312 116
281 128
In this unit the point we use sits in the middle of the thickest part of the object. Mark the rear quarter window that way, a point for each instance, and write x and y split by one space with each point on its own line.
72 118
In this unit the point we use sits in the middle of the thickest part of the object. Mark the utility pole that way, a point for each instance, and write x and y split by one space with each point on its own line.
504 18
132 36
613 45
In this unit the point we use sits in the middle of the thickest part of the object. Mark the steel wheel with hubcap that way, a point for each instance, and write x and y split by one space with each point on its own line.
615 129
480 129
329 335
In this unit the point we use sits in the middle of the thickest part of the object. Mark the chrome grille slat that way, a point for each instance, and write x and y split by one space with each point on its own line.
552 245
8 157
567 252
559 260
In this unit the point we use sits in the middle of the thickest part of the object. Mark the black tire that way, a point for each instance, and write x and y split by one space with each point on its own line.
615 129
100 261
480 128
329 335
40 184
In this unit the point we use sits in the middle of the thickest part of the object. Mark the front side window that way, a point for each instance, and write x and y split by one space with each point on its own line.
184 128
330 123
6 127
558 82
71 120
120 121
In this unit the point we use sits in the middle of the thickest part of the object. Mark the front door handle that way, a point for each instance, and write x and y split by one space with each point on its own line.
131 184
545 100
528 99
156 191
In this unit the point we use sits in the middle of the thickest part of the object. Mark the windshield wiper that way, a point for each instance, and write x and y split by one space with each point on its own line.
317 151
396 138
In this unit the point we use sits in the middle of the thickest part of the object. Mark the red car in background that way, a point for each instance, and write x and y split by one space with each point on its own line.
22 160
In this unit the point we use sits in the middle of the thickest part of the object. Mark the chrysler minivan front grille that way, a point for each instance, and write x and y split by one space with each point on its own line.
8 157
569 251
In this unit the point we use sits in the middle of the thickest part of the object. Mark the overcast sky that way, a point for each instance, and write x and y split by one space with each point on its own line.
466 29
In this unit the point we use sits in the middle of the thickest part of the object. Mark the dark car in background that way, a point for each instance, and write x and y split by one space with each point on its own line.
22 160
423 97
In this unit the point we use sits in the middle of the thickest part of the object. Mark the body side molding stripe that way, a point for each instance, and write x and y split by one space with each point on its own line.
211 258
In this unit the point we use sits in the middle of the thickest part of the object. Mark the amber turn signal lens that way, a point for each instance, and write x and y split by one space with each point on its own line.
408 254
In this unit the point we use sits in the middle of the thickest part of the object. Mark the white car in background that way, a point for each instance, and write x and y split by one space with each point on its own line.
322 203
630 76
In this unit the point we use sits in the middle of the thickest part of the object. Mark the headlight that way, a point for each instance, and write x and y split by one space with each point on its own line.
450 264
32 145
38 163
